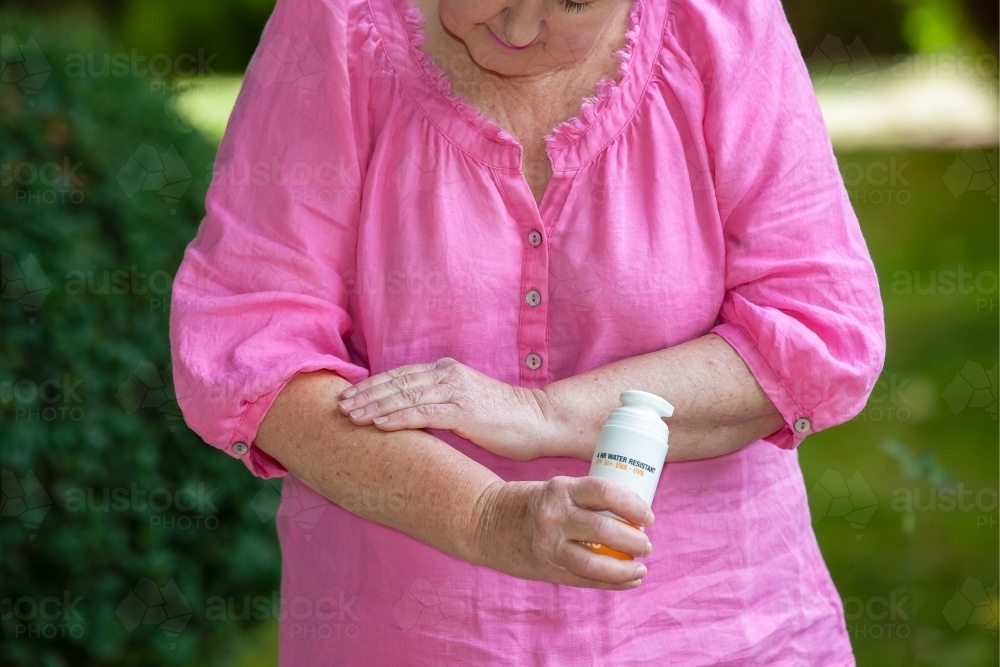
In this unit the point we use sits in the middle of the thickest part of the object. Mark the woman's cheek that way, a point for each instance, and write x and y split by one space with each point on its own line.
460 17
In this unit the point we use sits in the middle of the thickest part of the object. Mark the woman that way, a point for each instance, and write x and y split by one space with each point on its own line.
426 274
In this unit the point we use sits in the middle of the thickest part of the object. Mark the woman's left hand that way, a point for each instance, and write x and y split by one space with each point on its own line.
514 422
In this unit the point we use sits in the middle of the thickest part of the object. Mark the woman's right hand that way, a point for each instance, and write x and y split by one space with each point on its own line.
533 530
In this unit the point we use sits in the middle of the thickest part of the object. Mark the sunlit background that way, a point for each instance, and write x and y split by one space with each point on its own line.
126 541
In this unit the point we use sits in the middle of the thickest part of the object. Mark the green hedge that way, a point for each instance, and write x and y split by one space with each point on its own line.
100 191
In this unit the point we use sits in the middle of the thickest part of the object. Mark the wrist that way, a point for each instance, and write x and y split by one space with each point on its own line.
479 528
500 510
563 434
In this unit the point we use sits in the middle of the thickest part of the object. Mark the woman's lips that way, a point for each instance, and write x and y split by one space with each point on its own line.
505 44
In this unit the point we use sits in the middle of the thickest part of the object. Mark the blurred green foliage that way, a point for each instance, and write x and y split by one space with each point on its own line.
888 27
930 25
226 29
101 191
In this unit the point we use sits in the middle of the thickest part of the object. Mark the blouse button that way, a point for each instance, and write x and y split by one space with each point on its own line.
535 238
802 424
533 297
240 448
533 361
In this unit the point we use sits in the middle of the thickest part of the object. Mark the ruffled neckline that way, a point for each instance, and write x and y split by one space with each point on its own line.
566 132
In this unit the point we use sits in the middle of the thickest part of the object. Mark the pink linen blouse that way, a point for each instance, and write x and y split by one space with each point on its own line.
362 216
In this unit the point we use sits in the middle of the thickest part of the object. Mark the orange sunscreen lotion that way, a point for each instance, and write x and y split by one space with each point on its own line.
632 450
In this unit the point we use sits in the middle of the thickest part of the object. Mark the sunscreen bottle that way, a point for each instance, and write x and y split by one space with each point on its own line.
632 450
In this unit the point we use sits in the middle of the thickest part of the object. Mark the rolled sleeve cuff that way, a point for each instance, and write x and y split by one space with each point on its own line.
242 445
798 422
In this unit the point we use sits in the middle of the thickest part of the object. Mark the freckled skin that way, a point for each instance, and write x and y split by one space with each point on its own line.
447 500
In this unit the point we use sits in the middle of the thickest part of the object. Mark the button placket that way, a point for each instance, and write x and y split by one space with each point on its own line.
534 288
533 222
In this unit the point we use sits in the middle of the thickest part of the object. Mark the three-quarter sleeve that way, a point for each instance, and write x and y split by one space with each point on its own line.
802 305
261 293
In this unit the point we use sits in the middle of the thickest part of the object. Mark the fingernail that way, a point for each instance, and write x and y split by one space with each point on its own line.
649 517
649 549
357 413
379 420
346 404
350 391
641 572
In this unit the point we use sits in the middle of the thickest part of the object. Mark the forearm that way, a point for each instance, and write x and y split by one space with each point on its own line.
408 480
718 405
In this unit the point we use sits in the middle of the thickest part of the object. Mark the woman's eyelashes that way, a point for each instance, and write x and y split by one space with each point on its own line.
575 6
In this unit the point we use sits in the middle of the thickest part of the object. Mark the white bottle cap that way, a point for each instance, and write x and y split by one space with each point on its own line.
651 401
642 413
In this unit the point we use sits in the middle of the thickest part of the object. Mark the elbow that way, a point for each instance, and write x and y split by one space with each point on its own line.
860 369
200 412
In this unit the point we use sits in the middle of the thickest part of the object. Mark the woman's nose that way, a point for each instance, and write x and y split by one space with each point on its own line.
523 21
